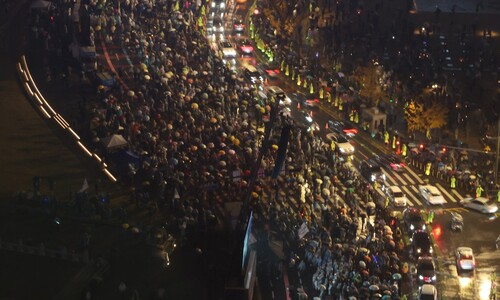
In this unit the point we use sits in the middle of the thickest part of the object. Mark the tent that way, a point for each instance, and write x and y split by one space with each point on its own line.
41 4
115 141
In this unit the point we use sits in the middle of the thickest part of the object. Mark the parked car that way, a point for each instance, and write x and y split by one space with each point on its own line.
396 195
427 292
426 270
465 259
480 204
413 220
431 194
421 243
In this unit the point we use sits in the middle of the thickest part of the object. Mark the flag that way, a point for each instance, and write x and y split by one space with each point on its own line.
303 230
85 186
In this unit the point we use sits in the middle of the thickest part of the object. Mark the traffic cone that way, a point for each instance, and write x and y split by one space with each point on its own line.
287 71
298 105
299 82
321 93
326 125
311 88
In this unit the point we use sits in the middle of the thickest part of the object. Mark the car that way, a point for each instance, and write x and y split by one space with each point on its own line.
239 26
427 292
217 25
391 162
413 220
372 171
431 194
275 92
303 101
396 195
342 144
421 243
426 269
227 49
253 75
218 4
245 46
465 259
343 127
480 204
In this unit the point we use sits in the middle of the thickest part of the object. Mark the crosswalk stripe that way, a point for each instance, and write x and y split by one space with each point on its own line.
389 178
403 182
381 193
456 193
416 194
408 177
420 181
444 191
407 192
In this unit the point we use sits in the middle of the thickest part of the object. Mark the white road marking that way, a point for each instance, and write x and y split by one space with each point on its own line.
444 191
407 192
417 193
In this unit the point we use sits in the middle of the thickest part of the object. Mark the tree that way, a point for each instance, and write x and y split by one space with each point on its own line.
421 118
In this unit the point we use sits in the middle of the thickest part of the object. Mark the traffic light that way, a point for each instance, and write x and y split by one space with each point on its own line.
421 147
443 150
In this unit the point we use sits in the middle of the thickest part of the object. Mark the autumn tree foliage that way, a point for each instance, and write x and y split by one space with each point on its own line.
421 118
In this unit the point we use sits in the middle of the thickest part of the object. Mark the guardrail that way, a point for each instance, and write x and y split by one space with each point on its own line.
49 113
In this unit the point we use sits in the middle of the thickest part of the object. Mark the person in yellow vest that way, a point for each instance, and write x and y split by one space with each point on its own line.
453 182
203 12
176 6
336 102
321 93
341 107
375 185
428 168
498 196
356 117
386 137
386 201
394 138
299 82
351 116
403 150
311 88
332 145
479 191
200 22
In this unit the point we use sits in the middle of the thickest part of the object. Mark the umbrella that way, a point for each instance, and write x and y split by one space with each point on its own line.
131 93
194 106
373 287
114 141
340 74
147 77
101 87
396 276
222 163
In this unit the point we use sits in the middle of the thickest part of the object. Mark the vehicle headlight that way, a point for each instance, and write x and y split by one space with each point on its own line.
419 250
383 176
373 177
412 227
222 5
212 4
420 277
434 278
342 150
430 250
494 209
424 227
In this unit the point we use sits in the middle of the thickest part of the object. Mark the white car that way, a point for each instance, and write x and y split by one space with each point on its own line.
396 195
481 204
465 259
431 194
342 144
227 49
427 292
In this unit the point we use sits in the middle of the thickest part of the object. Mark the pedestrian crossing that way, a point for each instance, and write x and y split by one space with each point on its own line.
408 181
